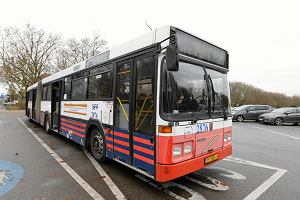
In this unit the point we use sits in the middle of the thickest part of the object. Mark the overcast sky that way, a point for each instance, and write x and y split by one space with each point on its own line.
262 37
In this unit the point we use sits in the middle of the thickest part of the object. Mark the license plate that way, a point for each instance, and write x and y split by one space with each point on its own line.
211 158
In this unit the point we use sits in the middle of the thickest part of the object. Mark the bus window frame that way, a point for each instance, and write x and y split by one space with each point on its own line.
112 82
191 60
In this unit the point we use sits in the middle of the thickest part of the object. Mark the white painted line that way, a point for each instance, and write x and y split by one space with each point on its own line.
275 132
214 185
229 173
247 162
266 185
95 195
112 186
164 187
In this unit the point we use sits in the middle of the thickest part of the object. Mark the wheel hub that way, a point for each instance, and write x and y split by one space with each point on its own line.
98 144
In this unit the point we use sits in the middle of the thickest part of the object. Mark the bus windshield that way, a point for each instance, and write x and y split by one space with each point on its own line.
185 94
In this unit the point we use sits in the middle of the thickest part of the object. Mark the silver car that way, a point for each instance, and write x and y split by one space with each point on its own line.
281 115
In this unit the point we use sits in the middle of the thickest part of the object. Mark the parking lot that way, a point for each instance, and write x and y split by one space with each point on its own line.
264 165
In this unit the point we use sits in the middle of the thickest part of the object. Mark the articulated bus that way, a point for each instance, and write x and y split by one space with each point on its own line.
159 104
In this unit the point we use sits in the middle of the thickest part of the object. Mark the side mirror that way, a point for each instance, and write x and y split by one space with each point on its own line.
171 58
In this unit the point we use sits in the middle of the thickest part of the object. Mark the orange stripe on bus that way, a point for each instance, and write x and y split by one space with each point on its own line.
121 134
73 122
73 132
141 140
108 131
73 127
121 142
77 105
109 146
141 149
142 158
73 112
121 150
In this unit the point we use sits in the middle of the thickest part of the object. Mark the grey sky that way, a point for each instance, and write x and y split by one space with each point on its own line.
262 37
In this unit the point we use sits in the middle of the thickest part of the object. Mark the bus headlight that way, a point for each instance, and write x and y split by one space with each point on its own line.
187 149
177 151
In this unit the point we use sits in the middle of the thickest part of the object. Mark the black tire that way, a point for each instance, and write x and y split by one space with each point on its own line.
47 125
239 118
278 121
98 145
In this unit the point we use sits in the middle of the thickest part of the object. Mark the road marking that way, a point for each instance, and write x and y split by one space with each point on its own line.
232 174
275 132
214 185
164 187
10 175
95 195
265 185
112 186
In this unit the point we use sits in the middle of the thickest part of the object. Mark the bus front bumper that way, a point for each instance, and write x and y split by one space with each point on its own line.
168 172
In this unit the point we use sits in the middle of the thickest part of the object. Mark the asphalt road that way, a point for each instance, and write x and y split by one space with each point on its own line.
265 165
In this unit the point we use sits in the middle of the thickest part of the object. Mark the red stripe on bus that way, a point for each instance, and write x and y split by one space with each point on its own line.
109 146
121 150
73 122
109 138
123 135
141 149
142 158
141 140
126 144
73 132
108 131
73 127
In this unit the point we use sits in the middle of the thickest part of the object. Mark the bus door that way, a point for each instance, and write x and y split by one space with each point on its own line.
134 132
33 104
55 105
123 109
144 115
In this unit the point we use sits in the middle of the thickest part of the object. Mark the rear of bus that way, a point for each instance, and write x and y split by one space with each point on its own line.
194 125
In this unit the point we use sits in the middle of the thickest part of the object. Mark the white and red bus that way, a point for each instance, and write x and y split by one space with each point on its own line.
159 104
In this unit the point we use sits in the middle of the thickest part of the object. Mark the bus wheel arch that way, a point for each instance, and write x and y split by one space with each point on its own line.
94 132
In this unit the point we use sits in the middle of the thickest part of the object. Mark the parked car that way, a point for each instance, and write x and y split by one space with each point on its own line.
250 112
281 115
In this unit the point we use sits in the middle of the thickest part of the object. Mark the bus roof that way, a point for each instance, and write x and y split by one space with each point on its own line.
145 40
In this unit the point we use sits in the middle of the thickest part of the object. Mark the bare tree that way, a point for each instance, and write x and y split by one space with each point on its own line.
242 93
26 55
75 51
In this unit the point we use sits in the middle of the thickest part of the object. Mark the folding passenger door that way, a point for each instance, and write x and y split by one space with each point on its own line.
134 116
144 116
123 108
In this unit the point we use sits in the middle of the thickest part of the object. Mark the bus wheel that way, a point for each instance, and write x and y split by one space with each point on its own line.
98 145
47 125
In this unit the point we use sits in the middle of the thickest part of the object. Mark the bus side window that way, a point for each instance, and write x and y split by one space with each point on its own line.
44 96
67 88
144 103
100 83
49 93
